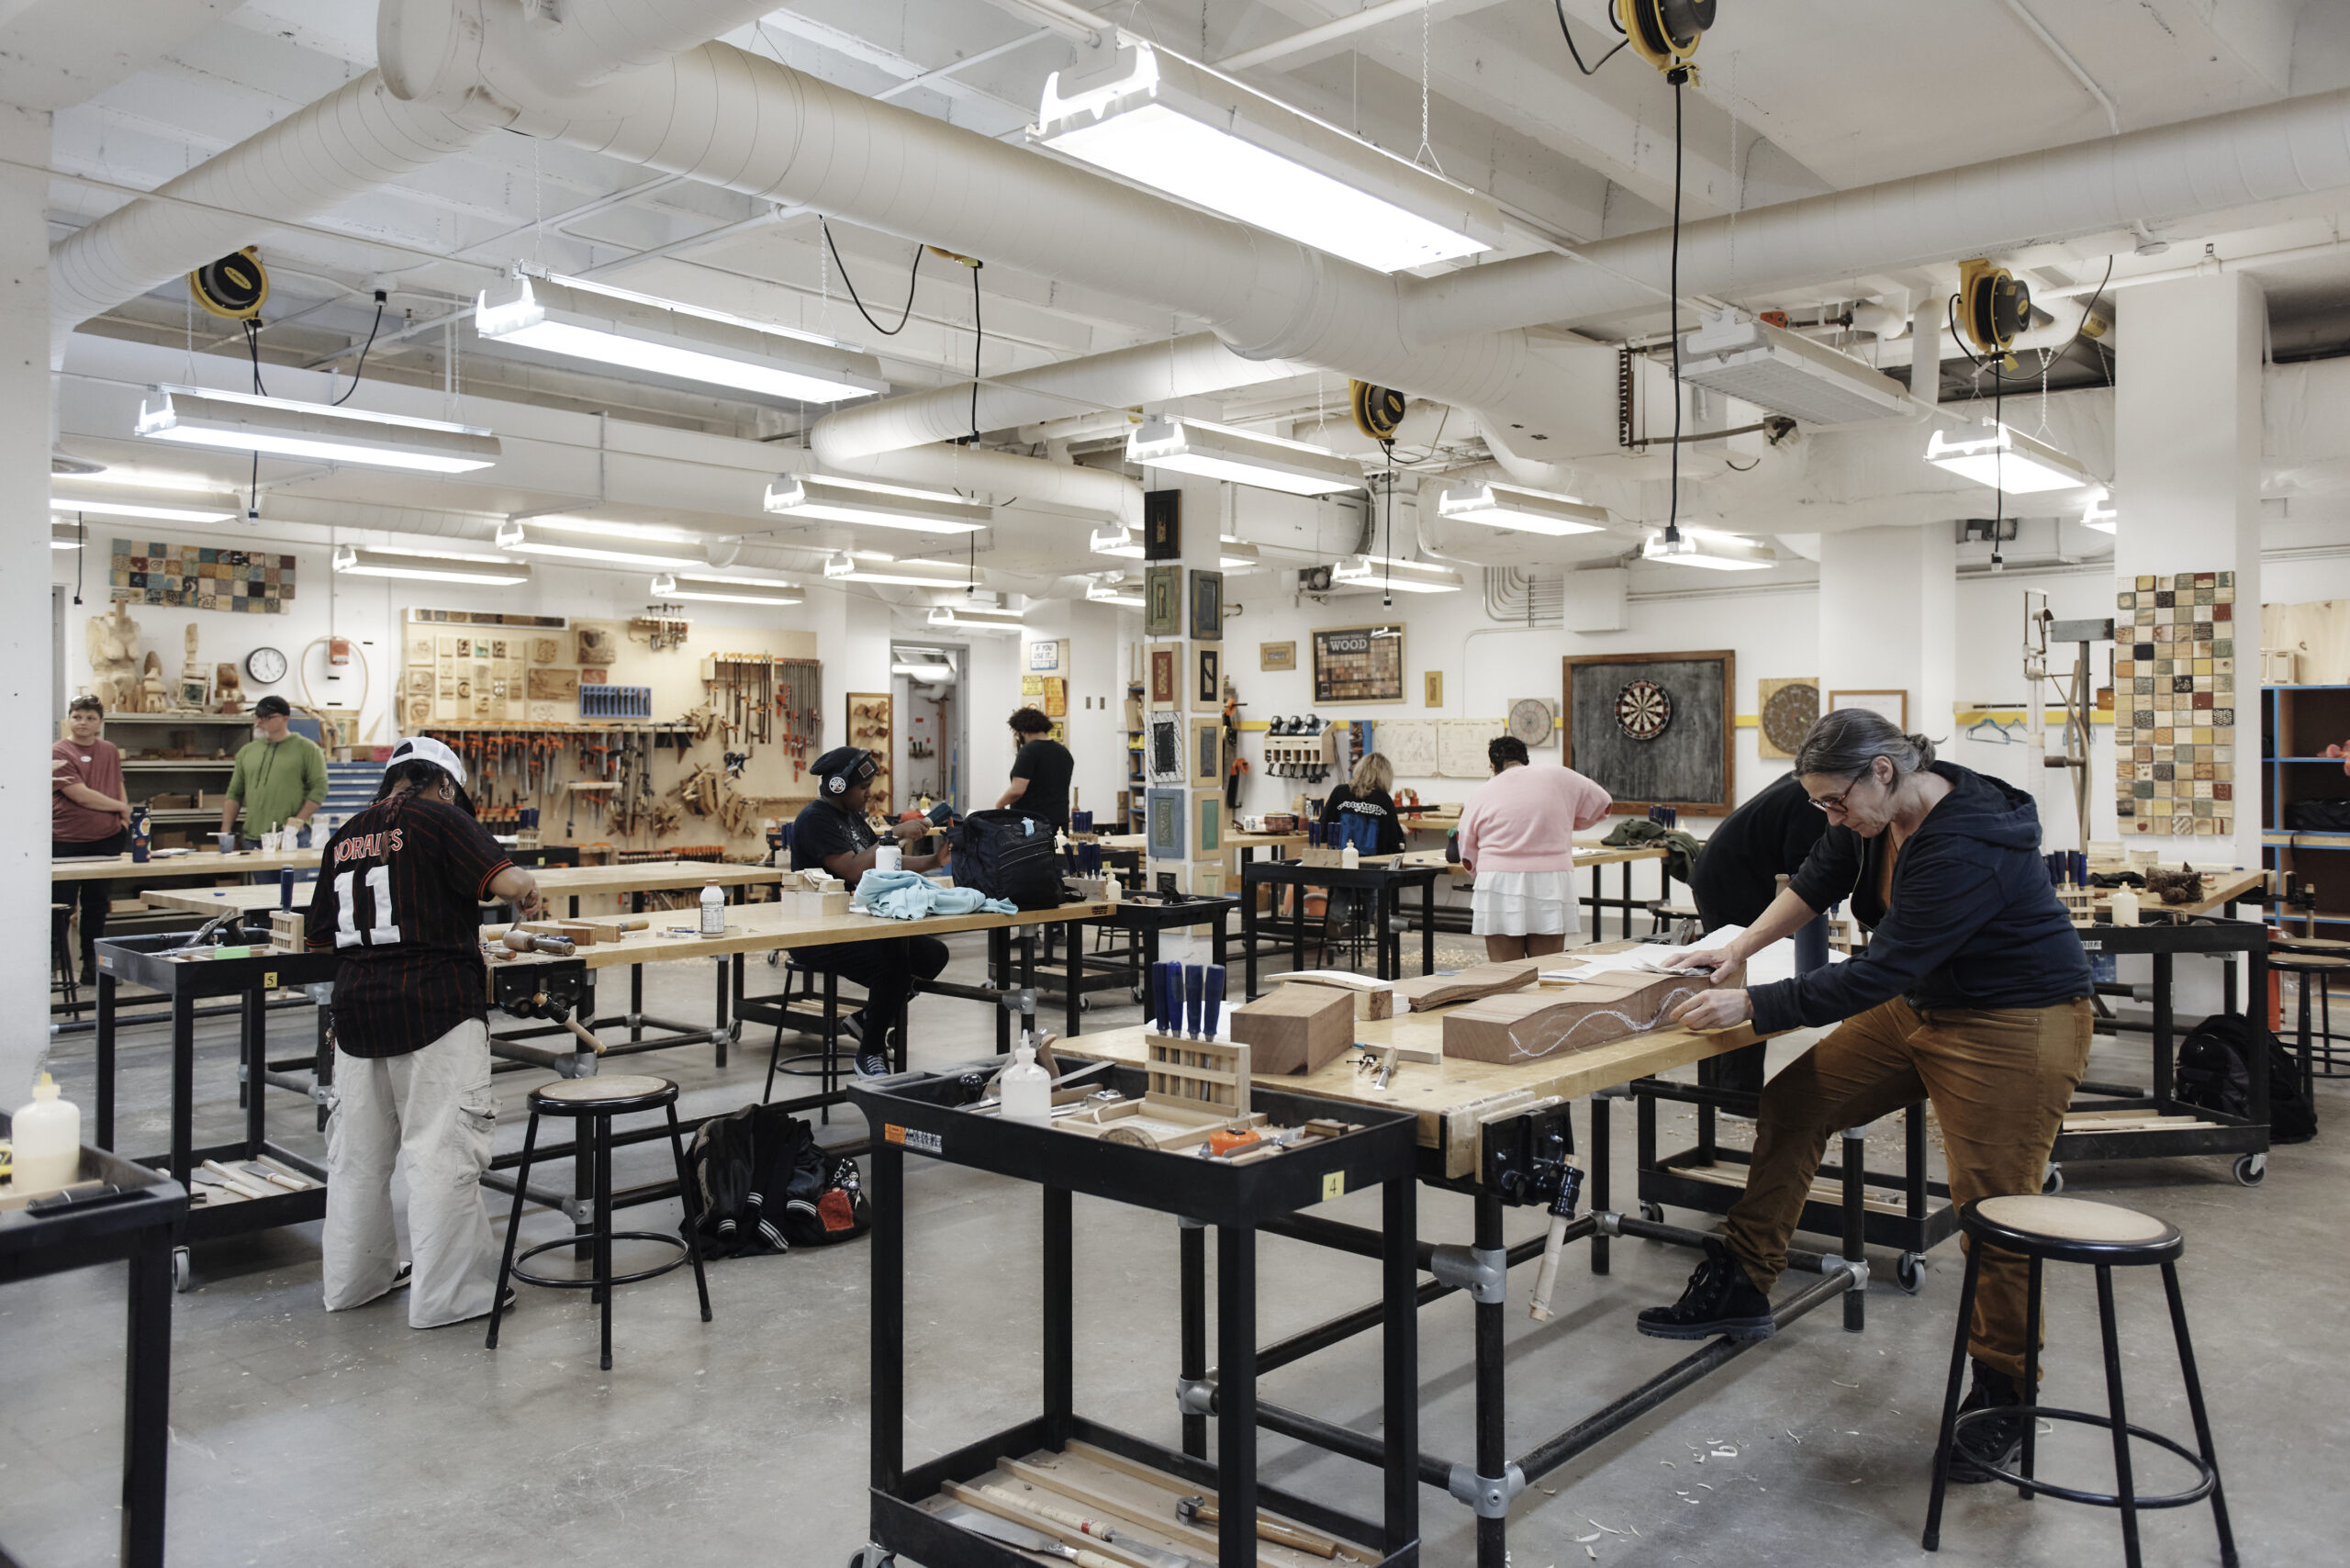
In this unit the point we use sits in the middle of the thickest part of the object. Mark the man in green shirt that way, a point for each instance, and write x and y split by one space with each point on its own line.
280 779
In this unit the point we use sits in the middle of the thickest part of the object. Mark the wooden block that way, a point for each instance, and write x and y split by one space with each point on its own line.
1322 858
576 931
1427 992
1197 1074
1374 997
1298 1028
1532 1025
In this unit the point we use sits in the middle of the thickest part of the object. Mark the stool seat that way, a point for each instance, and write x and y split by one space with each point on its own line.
2072 1231
2306 963
601 1095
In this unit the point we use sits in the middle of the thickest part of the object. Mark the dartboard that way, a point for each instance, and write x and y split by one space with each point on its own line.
1643 710
1787 712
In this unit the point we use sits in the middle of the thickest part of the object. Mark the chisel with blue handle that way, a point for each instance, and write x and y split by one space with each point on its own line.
1214 1004
1192 985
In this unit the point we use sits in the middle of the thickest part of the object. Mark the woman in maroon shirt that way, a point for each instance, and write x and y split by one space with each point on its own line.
88 816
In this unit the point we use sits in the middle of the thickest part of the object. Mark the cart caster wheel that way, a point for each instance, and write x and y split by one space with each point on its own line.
2053 1181
872 1557
1909 1271
1653 1213
1136 992
775 957
2252 1170
182 1269
1085 1004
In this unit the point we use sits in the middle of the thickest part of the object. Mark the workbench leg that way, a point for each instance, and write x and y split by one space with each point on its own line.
1624 903
182 1086
2259 1064
1296 931
1235 1393
1387 959
1856 1154
832 1041
636 979
1600 1202
1073 935
254 1028
1060 1315
147 1401
1400 1350
2164 1026
999 977
1191 1360
886 1175
1219 939
718 1012
106 1059
1493 1454
1913 1121
1427 926
1247 934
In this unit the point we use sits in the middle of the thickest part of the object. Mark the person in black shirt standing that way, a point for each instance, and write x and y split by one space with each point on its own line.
399 897
1736 876
831 835
1040 773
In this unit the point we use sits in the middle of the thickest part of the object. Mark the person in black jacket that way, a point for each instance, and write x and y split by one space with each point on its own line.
1973 992
1735 879
1367 796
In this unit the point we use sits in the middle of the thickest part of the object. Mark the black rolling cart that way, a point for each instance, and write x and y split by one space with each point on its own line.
1385 883
919 1113
134 1227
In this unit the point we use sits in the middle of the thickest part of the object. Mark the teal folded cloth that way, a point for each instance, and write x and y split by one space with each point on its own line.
910 895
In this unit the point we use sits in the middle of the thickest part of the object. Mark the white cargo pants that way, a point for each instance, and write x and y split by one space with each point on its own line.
435 1106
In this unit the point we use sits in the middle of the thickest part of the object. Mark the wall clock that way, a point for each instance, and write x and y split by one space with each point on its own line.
1643 709
1531 721
266 665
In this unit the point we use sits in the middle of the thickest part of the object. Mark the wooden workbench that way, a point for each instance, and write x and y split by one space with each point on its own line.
555 881
2226 888
202 863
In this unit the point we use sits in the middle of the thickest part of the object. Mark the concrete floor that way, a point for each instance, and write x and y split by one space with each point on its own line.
304 1438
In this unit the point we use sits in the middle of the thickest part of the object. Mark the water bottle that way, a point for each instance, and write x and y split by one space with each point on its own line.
48 1138
1027 1090
286 888
713 911
142 836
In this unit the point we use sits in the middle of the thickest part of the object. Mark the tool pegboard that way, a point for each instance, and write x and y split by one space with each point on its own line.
869 726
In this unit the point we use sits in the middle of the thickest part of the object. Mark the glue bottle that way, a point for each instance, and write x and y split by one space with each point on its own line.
1027 1090
1350 857
2123 905
48 1140
713 911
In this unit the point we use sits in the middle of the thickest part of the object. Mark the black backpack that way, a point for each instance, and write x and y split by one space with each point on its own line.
766 1187
2214 1073
1004 855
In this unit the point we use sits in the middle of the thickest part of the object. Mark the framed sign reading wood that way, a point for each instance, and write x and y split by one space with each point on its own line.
1653 729
1359 664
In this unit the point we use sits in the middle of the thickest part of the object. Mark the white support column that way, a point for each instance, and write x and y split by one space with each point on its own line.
2187 453
1888 616
28 687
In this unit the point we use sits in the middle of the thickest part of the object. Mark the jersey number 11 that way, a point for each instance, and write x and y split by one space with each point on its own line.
386 931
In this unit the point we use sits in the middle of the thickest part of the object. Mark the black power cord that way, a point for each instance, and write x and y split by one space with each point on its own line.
911 273
1561 6
361 368
979 339
1677 76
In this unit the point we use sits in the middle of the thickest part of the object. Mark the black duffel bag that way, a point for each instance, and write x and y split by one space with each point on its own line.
1006 855
2319 816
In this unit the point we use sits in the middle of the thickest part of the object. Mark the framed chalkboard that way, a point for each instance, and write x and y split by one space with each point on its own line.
1653 729
1359 664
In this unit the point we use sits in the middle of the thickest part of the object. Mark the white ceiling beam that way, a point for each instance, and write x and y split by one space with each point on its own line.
1315 42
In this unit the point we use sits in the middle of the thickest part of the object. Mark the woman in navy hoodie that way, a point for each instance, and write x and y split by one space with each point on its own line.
1974 993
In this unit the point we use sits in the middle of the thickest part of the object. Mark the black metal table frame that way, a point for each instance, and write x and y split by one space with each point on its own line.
1488 1482
1237 1201
1385 883
137 1231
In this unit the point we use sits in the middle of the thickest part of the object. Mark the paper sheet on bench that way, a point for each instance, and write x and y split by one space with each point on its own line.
1776 962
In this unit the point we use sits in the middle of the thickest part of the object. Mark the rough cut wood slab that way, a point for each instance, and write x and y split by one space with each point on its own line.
1426 992
1374 997
1298 1028
1532 1025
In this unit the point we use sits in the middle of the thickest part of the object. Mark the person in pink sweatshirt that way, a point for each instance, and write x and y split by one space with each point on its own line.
1517 836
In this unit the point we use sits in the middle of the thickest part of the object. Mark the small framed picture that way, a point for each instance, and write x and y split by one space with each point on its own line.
1163 678
1207 606
1162 613
1432 688
1276 655
1893 705
1162 525
1207 751
1165 823
1208 679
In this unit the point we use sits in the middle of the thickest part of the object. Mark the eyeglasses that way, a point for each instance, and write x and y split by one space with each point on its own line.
1836 802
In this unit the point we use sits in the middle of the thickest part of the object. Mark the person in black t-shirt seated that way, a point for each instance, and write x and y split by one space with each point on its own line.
399 895
1363 798
1040 773
831 835
1734 880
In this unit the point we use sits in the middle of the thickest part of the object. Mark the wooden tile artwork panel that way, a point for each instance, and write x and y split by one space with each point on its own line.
2175 704
194 577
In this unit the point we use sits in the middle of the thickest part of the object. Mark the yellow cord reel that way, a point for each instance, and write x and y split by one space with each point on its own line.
1994 305
1665 33
1378 411
235 287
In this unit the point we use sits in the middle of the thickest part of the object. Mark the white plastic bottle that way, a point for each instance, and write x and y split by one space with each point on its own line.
1027 1090
2124 905
48 1138
713 911
1349 857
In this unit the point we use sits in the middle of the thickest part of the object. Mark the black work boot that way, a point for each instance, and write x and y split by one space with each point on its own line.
1996 1441
1720 1300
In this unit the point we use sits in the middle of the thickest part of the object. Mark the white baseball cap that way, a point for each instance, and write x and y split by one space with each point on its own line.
424 748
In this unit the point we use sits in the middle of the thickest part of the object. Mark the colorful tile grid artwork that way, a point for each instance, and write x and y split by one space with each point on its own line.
191 576
2175 704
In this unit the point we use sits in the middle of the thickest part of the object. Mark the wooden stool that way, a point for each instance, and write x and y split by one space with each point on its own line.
2287 957
592 1103
2106 1237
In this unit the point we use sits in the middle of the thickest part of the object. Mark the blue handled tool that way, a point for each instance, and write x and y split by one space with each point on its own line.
1192 995
1214 1003
1170 998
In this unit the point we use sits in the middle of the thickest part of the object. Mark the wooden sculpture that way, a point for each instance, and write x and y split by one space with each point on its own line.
112 640
1531 1025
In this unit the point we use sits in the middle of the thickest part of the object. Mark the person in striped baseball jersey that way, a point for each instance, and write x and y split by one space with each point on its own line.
399 897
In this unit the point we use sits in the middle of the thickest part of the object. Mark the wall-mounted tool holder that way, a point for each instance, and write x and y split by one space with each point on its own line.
869 727
1300 757
616 703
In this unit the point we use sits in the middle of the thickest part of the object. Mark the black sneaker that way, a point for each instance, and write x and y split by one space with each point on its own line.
1720 1300
1982 1445
873 1064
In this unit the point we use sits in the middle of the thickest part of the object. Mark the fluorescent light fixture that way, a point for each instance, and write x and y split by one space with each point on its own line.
922 671
732 590
1529 512
1244 457
1786 373
572 318
529 539
1117 542
881 506
606 528
1714 552
1176 126
66 536
1394 571
976 618
424 565
908 574
663 583
1113 588
2100 513
279 427
1234 556
148 479
128 508
2007 458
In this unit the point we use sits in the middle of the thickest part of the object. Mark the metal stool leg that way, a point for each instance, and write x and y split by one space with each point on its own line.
2030 1369
513 1225
692 1196
832 1043
603 1292
2125 1487
2195 1407
1932 1539
775 1057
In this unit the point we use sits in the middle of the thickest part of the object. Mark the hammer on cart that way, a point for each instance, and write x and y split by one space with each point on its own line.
1198 1512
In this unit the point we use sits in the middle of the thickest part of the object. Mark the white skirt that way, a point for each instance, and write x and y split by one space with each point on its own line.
1525 903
